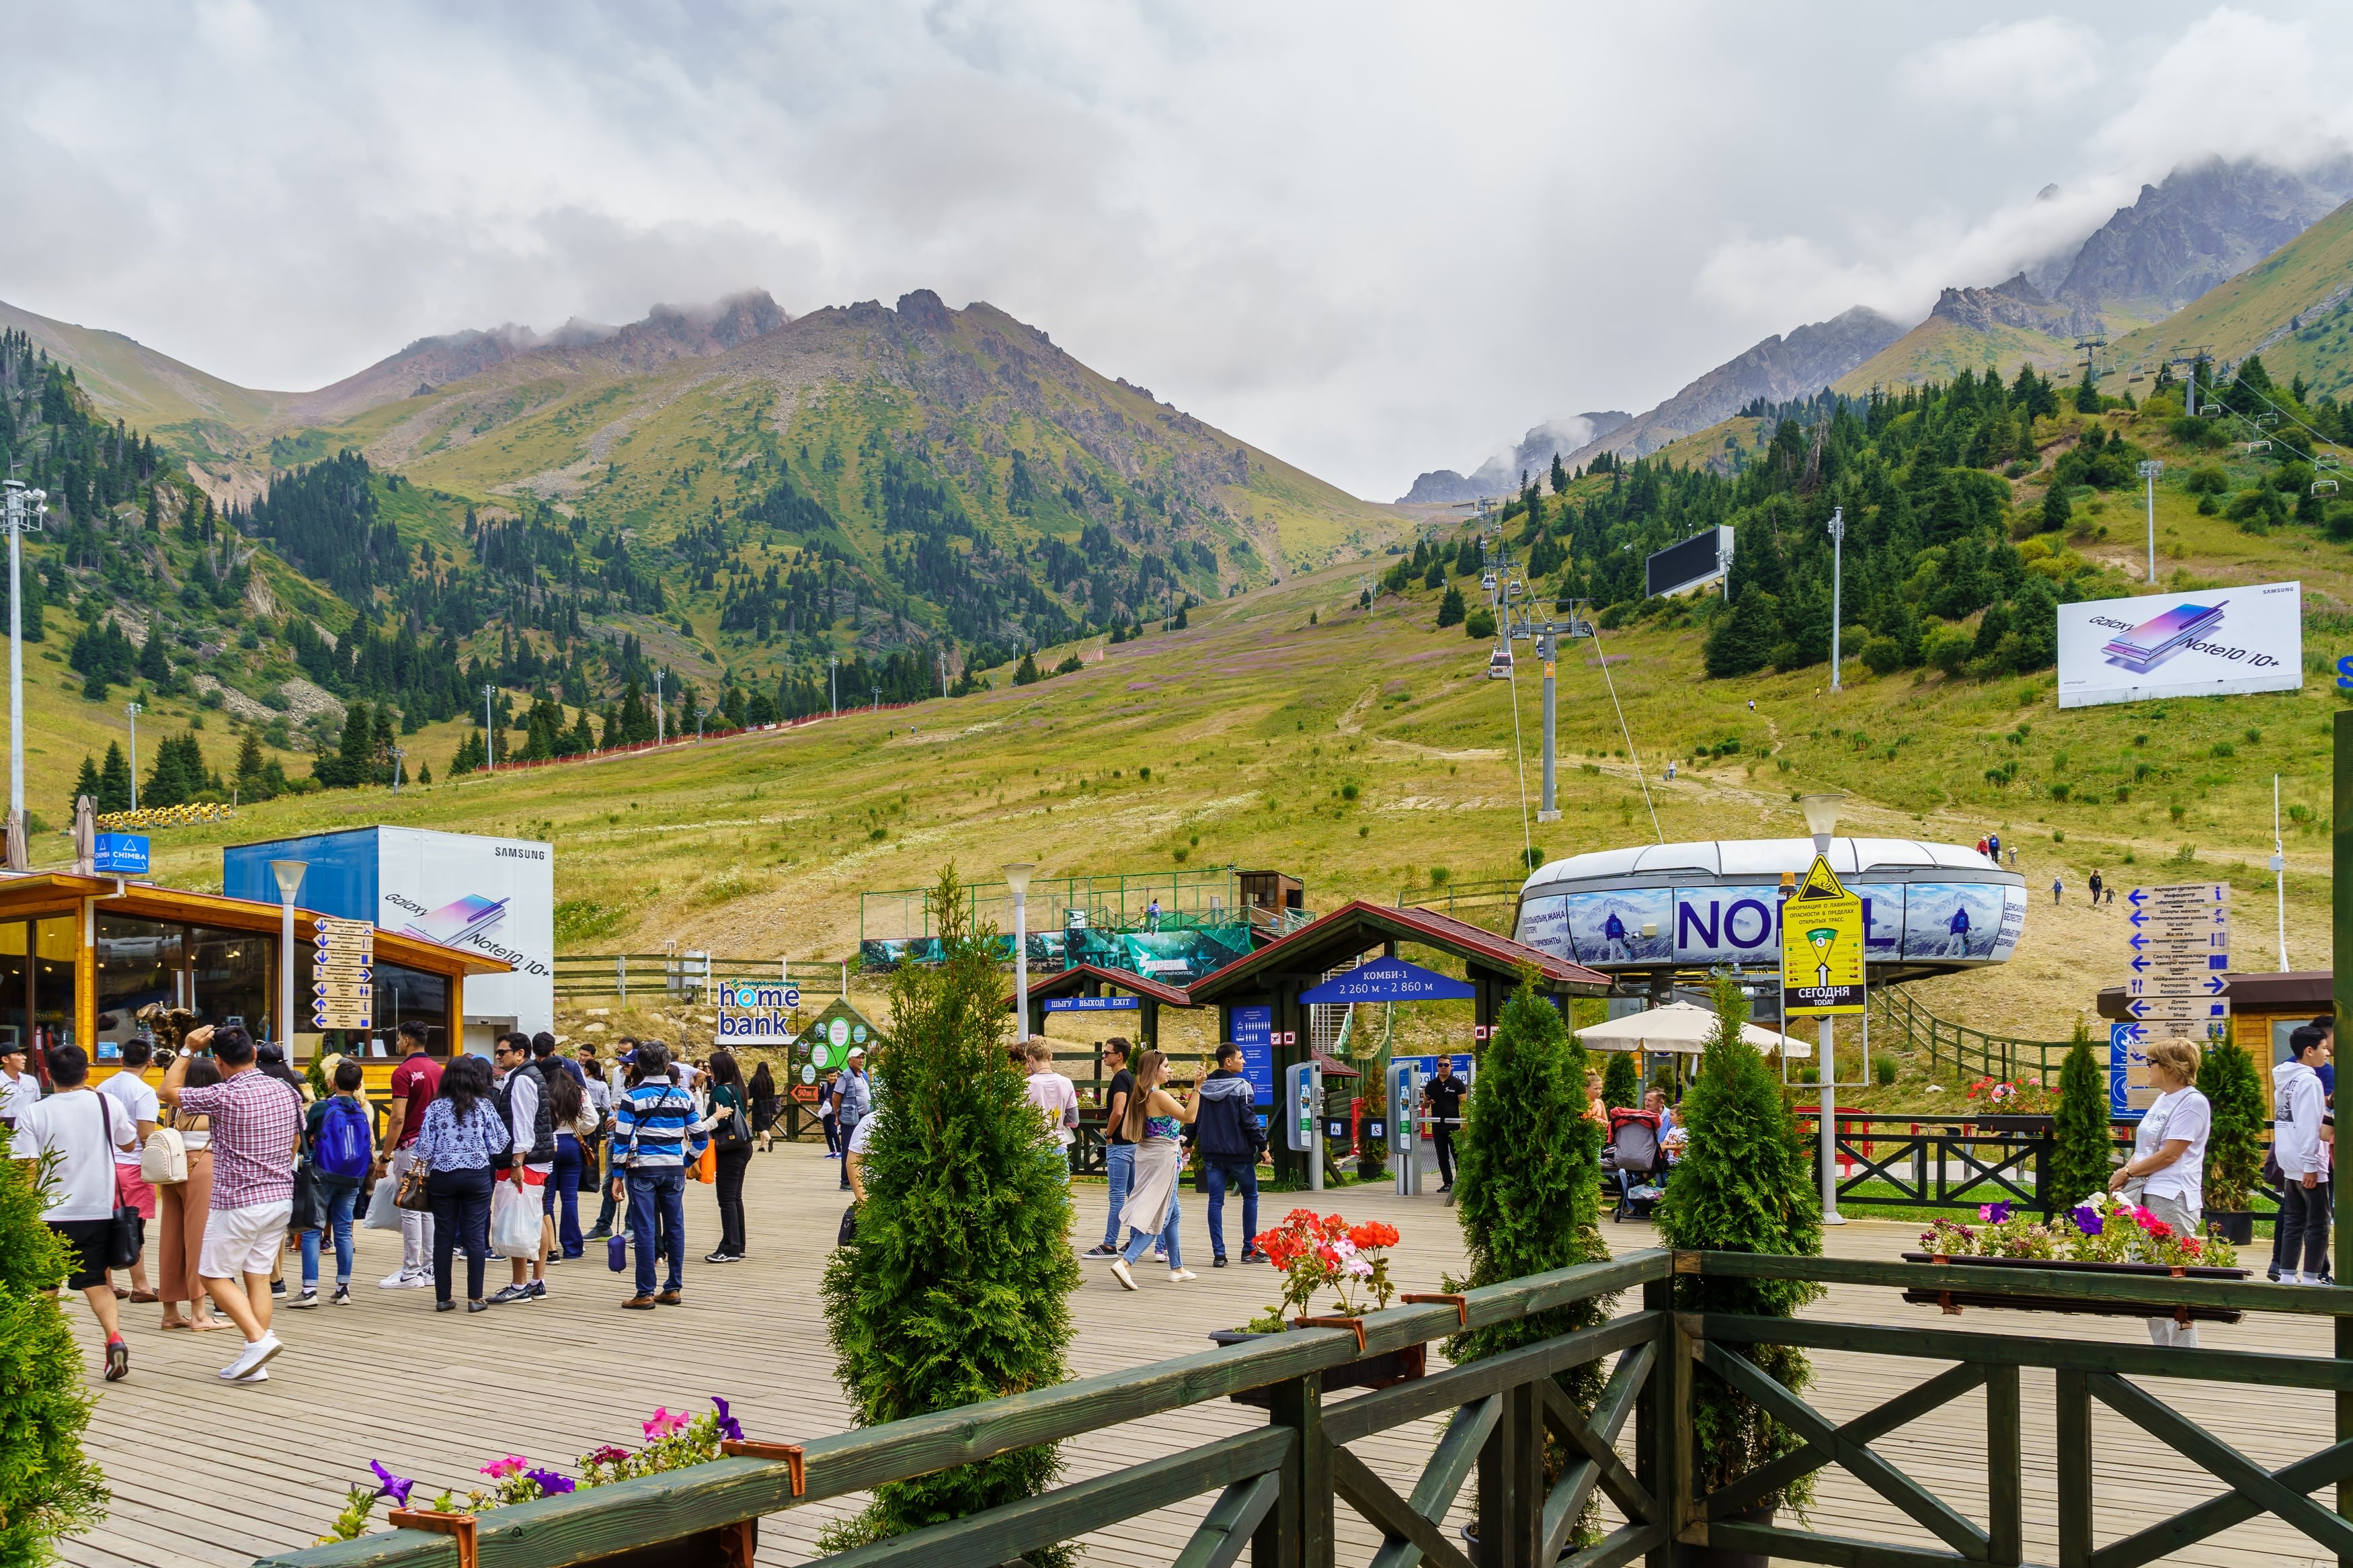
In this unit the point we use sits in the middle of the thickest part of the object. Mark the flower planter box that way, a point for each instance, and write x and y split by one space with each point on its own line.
1954 1301
1380 1370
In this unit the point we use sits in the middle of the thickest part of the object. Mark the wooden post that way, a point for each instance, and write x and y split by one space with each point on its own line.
1297 1532
1511 1484
1656 1459
2005 1474
2074 1469
2343 1353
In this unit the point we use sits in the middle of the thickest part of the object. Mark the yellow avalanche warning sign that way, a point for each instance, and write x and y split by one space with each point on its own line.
1821 945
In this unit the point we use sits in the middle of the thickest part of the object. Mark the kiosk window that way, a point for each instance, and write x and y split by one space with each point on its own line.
57 952
139 962
230 971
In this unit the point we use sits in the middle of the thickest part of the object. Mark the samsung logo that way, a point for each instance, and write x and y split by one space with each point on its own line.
504 853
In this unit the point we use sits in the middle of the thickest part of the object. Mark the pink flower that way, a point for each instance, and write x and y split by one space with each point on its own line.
512 1465
665 1422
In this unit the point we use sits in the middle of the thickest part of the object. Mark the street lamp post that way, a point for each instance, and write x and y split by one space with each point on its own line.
23 511
1821 820
290 878
658 708
2148 472
1016 877
1838 565
132 711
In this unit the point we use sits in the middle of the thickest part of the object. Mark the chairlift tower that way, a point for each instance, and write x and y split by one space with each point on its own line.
1547 634
22 512
1838 567
2148 471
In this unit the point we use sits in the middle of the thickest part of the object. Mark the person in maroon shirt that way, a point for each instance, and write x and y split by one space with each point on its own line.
414 1082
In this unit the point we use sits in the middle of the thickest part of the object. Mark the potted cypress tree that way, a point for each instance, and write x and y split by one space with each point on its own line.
2234 1149
2082 1147
956 1286
1621 1080
48 1489
1743 1185
1527 1187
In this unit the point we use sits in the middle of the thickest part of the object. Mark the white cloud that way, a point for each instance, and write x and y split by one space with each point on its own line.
2043 60
1373 239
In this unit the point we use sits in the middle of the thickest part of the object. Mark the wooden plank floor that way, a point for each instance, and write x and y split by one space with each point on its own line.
206 1474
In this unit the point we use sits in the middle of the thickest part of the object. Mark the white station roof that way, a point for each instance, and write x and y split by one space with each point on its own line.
1756 858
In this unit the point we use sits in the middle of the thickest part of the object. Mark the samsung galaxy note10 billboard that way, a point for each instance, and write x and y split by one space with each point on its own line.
2208 643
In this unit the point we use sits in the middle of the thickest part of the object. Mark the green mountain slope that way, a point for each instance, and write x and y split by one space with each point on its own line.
182 406
1940 348
2291 308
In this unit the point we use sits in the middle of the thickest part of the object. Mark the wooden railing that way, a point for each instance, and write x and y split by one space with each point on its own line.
1276 1488
1972 1053
687 975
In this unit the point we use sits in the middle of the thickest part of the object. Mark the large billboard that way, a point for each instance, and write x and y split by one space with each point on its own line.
2201 644
1701 558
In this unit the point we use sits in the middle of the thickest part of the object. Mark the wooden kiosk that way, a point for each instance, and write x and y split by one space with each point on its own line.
79 955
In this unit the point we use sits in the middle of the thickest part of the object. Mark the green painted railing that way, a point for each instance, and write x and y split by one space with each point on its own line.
1277 1488
1973 1053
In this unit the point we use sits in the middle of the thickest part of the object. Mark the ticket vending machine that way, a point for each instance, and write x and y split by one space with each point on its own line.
1404 1122
1302 1099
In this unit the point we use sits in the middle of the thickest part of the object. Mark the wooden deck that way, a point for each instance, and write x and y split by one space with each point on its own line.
207 1474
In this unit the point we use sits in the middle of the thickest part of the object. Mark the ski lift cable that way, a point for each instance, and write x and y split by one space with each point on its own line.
1636 757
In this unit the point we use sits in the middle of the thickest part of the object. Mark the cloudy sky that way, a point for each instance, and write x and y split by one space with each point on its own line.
1371 238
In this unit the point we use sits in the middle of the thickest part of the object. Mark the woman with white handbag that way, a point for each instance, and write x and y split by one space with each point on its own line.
178 1160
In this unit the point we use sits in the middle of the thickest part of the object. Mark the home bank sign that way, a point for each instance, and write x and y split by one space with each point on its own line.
756 1014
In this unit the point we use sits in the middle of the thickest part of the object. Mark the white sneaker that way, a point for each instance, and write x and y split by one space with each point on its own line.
301 1300
255 1355
1119 1271
258 1374
420 1280
1178 1276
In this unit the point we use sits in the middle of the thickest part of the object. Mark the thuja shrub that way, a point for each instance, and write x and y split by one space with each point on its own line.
2235 1149
1743 1185
1527 1181
49 1488
2081 1143
1621 1081
956 1286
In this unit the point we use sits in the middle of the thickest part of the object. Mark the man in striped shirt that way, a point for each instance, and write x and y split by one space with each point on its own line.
650 1128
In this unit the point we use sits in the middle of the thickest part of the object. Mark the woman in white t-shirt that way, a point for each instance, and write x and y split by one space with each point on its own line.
2168 1159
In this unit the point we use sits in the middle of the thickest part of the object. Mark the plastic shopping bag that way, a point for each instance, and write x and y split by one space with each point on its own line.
383 1213
514 1221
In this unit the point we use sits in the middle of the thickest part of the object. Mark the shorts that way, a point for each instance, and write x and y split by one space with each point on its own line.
238 1242
133 1190
90 1241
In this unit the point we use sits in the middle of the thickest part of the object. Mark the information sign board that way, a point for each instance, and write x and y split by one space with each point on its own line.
1821 945
2178 939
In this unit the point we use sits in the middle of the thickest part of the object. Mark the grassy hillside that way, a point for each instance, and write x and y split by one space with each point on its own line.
2291 308
1939 349
1254 722
176 402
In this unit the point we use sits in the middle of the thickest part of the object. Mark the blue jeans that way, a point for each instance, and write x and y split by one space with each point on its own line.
1119 1167
340 1200
1241 1177
563 1185
1140 1242
659 1194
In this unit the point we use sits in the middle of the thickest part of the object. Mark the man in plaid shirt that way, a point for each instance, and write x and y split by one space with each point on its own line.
256 1128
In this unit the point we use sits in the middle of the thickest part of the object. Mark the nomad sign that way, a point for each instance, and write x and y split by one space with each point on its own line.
1821 945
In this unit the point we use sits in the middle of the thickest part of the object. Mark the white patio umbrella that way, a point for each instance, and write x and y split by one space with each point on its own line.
1679 1026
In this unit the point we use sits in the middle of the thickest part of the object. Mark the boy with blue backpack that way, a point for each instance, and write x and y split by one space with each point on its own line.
339 1139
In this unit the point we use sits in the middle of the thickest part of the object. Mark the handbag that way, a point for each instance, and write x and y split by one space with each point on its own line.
309 1207
848 1226
127 1238
616 1251
410 1195
734 1131
383 1211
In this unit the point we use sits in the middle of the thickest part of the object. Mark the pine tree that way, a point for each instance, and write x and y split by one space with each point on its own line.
955 1287
1026 672
85 785
2087 393
1451 610
154 662
2081 1143
1621 1080
2056 512
114 780
2235 1149
48 1489
167 780
1527 1179
1742 640
252 783
1743 1185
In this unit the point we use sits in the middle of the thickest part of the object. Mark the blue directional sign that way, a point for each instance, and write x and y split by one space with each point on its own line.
2125 1041
1092 1003
1388 980
120 854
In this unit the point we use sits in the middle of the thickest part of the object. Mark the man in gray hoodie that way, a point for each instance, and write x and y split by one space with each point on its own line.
1231 1137
2299 1106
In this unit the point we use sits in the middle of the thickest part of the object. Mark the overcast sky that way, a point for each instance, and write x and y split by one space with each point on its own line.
1373 239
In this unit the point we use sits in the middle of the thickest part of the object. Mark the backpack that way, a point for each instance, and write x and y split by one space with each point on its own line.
344 1149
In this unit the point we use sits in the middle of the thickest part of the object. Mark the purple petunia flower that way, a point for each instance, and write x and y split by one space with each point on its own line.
1995 1214
394 1487
2087 1219
729 1428
550 1482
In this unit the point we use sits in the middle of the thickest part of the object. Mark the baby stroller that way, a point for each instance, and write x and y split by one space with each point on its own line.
1632 1161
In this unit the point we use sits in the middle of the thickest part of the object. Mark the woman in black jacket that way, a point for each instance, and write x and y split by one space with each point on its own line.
764 1105
730 1126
